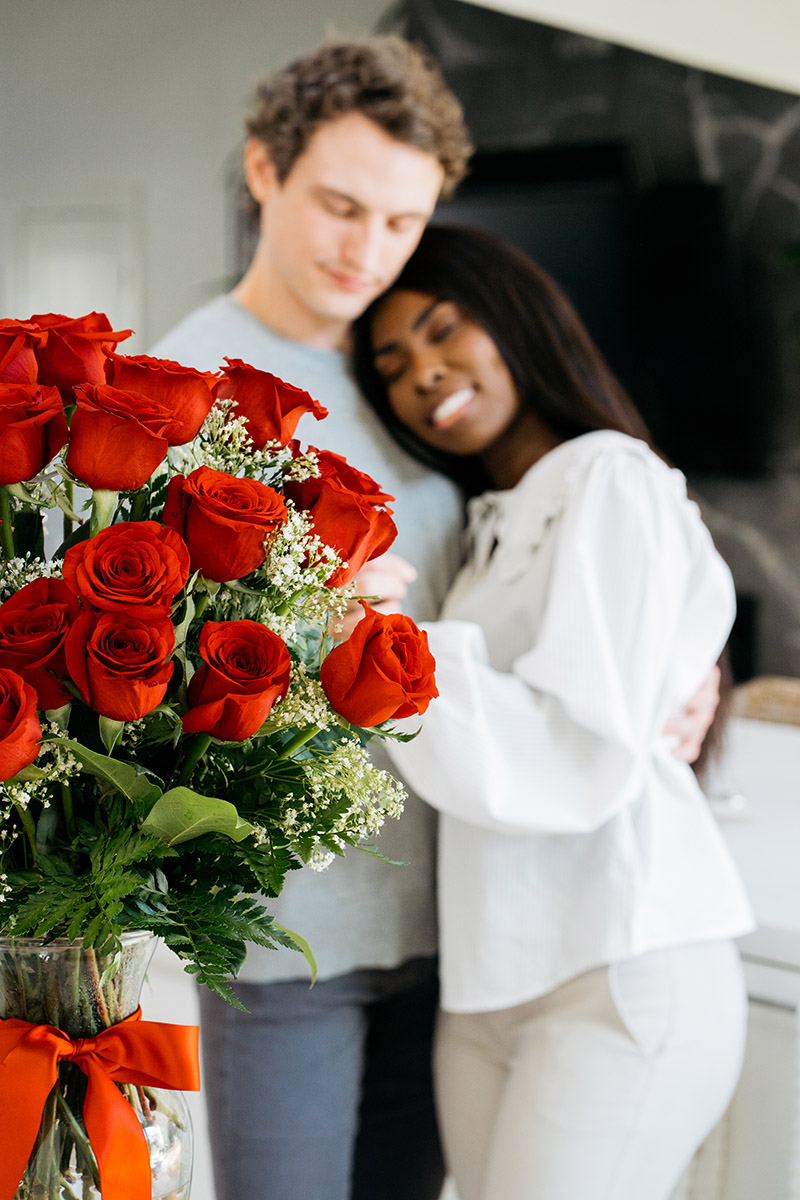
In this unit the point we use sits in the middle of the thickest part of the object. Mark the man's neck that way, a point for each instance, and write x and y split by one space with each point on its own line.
277 308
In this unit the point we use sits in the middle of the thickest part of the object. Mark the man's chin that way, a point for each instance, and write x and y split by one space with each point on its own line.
347 306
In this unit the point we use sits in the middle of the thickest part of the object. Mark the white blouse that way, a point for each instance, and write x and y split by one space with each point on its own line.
592 606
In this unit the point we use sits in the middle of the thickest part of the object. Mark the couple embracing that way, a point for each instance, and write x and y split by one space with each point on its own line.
593 1008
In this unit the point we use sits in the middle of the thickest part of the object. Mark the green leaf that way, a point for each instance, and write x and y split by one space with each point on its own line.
125 777
181 814
28 775
182 627
299 943
110 732
21 493
59 716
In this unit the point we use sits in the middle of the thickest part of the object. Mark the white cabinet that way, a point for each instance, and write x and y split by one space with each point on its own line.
754 1154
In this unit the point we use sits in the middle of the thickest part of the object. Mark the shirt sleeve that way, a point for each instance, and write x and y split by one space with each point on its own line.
638 608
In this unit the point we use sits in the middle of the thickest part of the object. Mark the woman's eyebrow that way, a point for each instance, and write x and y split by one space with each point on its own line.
418 321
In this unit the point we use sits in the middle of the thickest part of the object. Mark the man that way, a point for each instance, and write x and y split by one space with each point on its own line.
325 1094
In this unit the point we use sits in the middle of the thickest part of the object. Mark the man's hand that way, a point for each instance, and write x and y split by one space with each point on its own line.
692 727
383 582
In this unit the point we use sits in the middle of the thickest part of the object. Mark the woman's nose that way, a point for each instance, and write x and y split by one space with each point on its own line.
428 373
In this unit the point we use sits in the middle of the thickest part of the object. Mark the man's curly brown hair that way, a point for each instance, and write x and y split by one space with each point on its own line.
393 83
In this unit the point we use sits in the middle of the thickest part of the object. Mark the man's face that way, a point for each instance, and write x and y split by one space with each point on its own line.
341 226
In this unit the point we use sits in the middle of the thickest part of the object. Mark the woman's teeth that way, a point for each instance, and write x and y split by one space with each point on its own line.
451 405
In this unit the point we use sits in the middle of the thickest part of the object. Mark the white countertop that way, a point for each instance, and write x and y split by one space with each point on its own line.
761 763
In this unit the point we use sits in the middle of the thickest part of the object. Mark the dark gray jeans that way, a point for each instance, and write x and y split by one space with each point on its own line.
324 1093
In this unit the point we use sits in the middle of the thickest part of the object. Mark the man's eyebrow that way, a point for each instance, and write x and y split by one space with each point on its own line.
324 189
416 324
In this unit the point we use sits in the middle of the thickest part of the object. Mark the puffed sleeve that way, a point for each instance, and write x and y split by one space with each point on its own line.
639 606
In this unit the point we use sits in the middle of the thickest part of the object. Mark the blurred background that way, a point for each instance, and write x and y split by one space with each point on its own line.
648 155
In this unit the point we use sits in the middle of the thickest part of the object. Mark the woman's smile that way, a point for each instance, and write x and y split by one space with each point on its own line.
450 409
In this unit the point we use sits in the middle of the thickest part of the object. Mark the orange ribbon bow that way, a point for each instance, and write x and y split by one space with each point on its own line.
147 1053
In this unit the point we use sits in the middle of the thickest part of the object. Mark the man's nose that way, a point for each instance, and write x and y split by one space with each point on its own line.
363 246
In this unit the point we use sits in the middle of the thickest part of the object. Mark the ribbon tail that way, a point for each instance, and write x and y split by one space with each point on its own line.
27 1076
117 1138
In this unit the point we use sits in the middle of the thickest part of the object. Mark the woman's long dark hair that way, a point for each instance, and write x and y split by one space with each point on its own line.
555 365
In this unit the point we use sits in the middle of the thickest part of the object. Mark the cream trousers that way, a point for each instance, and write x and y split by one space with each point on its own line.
600 1090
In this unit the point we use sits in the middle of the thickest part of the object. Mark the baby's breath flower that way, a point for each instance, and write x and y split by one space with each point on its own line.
15 573
320 859
305 703
347 794
225 445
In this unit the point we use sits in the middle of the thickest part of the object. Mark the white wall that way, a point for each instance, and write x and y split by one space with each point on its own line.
139 105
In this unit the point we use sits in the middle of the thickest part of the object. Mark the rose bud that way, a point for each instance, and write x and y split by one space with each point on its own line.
76 349
116 438
20 731
34 623
224 521
18 343
270 407
348 512
117 660
33 429
245 671
138 564
384 671
187 394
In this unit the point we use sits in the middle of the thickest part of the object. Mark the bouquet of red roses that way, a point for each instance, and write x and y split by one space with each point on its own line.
177 728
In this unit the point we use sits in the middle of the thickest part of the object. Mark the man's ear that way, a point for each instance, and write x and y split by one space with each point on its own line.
259 170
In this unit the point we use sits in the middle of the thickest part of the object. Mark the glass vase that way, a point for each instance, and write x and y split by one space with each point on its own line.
63 984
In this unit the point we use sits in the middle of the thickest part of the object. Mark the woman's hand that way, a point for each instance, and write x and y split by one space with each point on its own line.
693 725
383 582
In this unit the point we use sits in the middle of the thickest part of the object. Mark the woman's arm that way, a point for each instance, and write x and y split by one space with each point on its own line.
638 607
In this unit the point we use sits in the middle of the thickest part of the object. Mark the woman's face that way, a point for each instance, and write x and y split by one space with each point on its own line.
444 377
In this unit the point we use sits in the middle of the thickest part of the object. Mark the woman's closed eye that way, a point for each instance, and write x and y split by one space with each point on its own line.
444 321
390 367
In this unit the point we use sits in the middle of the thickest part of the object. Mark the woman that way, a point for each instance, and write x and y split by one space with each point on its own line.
593 1004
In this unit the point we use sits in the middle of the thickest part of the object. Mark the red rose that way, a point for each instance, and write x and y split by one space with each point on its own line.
348 512
33 429
76 349
187 394
335 467
116 438
117 660
20 730
246 671
18 343
224 521
271 407
34 623
384 670
137 564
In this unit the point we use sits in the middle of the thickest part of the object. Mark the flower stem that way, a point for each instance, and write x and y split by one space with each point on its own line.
7 529
104 504
29 825
196 752
139 505
69 491
80 1139
299 739
67 809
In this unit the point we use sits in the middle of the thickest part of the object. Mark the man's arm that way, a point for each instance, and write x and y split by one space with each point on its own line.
695 722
